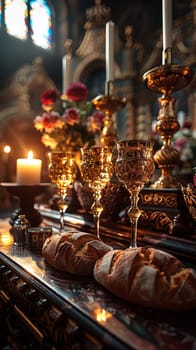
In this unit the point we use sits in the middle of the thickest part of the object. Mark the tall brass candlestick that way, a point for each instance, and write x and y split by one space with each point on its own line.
166 79
109 104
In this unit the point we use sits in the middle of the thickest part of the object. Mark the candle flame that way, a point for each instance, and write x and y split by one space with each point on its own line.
30 155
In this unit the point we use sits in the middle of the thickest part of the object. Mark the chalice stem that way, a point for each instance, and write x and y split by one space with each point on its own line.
62 204
62 213
97 209
134 214
97 223
133 243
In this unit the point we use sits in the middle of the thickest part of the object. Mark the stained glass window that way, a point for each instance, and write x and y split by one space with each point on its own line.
40 23
1 14
16 18
28 19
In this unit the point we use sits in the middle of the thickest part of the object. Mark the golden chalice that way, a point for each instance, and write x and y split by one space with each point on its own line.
134 168
97 170
62 172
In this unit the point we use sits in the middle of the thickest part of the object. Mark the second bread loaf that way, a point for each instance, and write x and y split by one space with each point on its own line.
148 277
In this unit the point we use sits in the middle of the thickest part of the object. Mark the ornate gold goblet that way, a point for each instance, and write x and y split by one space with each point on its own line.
97 170
62 172
134 167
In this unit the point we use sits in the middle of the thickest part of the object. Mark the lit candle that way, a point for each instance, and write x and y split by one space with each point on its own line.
109 51
28 170
66 71
167 23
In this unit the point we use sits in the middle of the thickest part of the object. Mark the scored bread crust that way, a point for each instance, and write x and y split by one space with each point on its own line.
148 277
74 252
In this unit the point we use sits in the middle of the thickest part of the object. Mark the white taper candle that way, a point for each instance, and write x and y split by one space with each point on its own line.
167 23
109 51
66 71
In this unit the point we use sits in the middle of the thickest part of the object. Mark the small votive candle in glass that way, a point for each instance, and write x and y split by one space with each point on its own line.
28 170
36 237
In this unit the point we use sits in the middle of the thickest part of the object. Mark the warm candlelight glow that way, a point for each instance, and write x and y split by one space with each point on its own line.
6 238
109 51
102 315
7 149
28 170
30 155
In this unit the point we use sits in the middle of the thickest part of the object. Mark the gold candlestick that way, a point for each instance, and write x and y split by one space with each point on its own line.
109 104
166 79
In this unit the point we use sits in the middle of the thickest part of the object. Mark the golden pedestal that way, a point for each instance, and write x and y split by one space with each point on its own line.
166 205
109 104
166 79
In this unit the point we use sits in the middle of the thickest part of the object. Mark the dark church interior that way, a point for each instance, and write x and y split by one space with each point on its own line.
124 291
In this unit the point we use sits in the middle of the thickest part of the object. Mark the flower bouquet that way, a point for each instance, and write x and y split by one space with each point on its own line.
68 121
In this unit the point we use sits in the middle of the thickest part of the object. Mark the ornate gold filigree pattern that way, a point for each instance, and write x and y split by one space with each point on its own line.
161 199
158 220
189 194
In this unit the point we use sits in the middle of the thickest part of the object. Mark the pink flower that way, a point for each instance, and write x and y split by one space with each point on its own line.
77 92
49 97
48 121
72 116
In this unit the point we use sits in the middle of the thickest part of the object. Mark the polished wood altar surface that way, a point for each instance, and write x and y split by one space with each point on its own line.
113 323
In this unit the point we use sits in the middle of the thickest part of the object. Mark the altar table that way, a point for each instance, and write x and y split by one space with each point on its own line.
55 310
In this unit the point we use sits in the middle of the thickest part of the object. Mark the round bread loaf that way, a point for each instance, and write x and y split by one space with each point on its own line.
74 252
148 277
